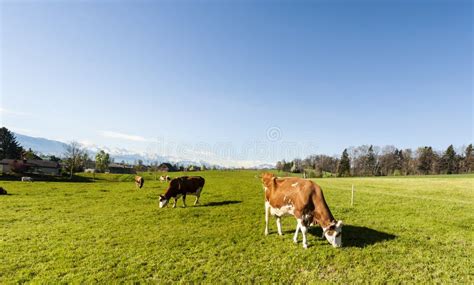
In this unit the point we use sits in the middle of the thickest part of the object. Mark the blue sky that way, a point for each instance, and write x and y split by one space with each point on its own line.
264 80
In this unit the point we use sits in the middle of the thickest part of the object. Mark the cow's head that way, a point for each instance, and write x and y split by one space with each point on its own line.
267 180
163 201
333 234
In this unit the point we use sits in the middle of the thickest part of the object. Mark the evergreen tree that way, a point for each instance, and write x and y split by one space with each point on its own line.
371 162
426 160
468 160
9 147
344 168
449 162
399 162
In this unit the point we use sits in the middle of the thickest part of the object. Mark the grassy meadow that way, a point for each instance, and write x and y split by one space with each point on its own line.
411 229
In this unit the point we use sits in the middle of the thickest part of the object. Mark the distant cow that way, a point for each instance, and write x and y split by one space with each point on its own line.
3 191
304 200
27 179
139 181
182 186
165 178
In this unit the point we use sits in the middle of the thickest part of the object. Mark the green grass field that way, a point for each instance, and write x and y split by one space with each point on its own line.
412 229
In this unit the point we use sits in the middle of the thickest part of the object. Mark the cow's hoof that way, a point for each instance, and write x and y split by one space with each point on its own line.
305 246
295 240
266 233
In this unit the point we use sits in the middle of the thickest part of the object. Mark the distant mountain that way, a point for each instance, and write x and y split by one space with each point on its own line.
41 145
57 148
265 166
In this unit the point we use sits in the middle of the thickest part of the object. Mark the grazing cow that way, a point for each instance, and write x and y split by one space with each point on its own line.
182 186
167 178
304 200
139 181
27 179
3 191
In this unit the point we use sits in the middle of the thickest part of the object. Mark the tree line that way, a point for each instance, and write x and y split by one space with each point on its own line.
369 160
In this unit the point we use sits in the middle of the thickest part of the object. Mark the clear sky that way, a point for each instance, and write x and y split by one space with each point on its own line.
265 80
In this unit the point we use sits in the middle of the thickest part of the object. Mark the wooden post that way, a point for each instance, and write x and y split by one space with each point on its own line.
352 196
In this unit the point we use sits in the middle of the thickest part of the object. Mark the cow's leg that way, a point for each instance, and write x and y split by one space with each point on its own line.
175 202
198 193
267 212
295 237
279 226
304 230
184 201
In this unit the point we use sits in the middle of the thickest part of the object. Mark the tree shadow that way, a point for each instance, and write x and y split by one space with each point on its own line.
354 236
221 203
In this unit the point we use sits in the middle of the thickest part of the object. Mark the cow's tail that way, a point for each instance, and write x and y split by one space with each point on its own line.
141 182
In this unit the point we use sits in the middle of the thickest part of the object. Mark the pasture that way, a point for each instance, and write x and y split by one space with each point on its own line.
412 229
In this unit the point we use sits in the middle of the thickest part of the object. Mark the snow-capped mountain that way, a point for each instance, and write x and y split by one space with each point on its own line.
57 148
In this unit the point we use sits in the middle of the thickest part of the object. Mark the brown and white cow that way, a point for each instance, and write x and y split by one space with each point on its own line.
139 181
182 186
304 200
165 178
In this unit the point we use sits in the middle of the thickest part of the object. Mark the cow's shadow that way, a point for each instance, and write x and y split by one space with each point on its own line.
355 236
221 203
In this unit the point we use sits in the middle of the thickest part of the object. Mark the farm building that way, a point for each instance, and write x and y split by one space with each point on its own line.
39 167
121 169
166 167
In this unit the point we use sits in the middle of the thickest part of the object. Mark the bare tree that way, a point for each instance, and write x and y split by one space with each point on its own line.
74 157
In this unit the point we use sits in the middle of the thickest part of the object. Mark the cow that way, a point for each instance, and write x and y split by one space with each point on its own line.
304 200
182 186
3 191
162 178
26 179
139 181
167 178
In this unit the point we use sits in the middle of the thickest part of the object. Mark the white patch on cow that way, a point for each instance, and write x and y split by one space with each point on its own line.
294 184
283 211
265 189
279 225
267 212
163 203
335 239
301 227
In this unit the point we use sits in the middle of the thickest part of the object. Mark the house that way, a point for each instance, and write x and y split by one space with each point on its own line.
121 168
30 166
166 167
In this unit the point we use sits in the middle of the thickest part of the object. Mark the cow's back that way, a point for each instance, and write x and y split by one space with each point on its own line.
185 185
191 184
